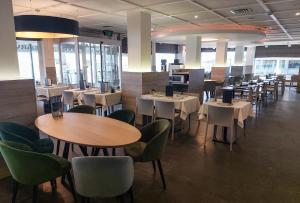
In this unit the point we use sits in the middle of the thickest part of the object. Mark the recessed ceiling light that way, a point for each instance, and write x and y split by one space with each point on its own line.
208 39
196 16
298 14
152 29
231 11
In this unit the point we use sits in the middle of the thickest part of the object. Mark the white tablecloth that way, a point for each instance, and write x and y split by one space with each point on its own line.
108 98
51 91
78 92
242 110
185 103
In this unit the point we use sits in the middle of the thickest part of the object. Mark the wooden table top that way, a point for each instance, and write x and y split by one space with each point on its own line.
88 130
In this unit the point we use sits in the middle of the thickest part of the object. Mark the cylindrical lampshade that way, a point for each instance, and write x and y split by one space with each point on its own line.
35 26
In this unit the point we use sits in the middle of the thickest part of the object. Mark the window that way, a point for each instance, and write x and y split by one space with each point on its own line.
286 66
68 61
208 60
28 56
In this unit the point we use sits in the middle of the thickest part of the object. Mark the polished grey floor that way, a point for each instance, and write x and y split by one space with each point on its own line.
263 167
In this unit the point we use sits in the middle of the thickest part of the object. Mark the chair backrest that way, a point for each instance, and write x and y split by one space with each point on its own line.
83 109
28 167
68 98
164 109
209 85
103 176
222 116
124 115
155 134
144 107
89 99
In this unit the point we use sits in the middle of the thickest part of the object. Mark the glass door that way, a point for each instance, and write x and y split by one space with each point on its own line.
111 64
68 61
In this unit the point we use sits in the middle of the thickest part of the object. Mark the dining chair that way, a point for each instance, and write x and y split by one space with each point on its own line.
273 90
31 168
151 146
166 110
14 132
90 99
103 177
124 115
69 100
220 116
145 107
209 88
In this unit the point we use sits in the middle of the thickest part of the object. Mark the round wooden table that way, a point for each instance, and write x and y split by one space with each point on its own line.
88 130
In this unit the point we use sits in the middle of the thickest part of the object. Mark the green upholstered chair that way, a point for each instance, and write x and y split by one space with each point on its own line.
79 109
31 168
19 133
103 177
151 145
124 115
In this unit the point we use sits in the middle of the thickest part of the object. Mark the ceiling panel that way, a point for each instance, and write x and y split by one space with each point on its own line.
35 3
292 5
106 5
165 21
253 9
152 2
197 15
176 8
216 4
71 10
246 19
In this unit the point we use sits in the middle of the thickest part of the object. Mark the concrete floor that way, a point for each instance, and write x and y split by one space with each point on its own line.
263 167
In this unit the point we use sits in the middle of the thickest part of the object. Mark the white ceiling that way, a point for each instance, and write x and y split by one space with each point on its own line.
97 14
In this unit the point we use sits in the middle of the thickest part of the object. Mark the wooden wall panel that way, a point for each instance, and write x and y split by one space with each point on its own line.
219 73
18 101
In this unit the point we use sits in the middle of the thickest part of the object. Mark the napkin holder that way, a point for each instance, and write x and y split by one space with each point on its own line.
228 95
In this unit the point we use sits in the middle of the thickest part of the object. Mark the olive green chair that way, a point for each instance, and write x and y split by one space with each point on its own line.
21 134
124 115
104 177
31 168
151 145
79 109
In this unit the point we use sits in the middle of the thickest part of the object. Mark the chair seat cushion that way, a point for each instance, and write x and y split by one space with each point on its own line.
135 150
65 164
44 145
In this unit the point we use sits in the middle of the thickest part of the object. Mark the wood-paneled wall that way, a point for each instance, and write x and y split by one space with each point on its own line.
134 84
18 101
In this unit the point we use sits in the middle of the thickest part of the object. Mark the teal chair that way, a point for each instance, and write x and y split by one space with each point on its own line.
79 109
104 177
151 145
21 134
31 168
124 115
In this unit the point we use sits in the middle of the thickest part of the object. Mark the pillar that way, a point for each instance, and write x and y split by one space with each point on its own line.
250 57
153 57
179 54
239 55
139 41
221 53
47 68
193 52
9 67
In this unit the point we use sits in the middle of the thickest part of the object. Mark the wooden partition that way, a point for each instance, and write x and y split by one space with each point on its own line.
134 84
219 73
18 101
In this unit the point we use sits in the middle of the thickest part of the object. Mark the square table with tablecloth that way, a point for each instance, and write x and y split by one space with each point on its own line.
50 91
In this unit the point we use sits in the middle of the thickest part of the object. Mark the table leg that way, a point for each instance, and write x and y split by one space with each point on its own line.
66 156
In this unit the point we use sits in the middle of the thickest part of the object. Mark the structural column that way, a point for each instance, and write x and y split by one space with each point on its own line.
153 56
47 69
239 55
9 67
179 54
139 41
221 53
193 52
250 57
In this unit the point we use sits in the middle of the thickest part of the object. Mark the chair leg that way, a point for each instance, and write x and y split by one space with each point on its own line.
72 146
57 147
161 174
83 149
105 152
231 138
154 167
15 190
35 194
131 194
70 180
114 151
53 185
121 198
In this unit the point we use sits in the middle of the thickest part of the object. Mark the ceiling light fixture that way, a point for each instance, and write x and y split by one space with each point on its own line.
36 26
231 11
298 14
196 16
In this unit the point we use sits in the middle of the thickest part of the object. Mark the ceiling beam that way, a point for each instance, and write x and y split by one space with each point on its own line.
270 13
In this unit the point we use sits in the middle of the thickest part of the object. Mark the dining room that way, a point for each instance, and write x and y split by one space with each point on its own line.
149 101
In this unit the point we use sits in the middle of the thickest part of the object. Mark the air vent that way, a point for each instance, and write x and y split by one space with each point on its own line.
242 11
107 26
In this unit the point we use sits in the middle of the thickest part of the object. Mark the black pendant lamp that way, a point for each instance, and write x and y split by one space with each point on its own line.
36 26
